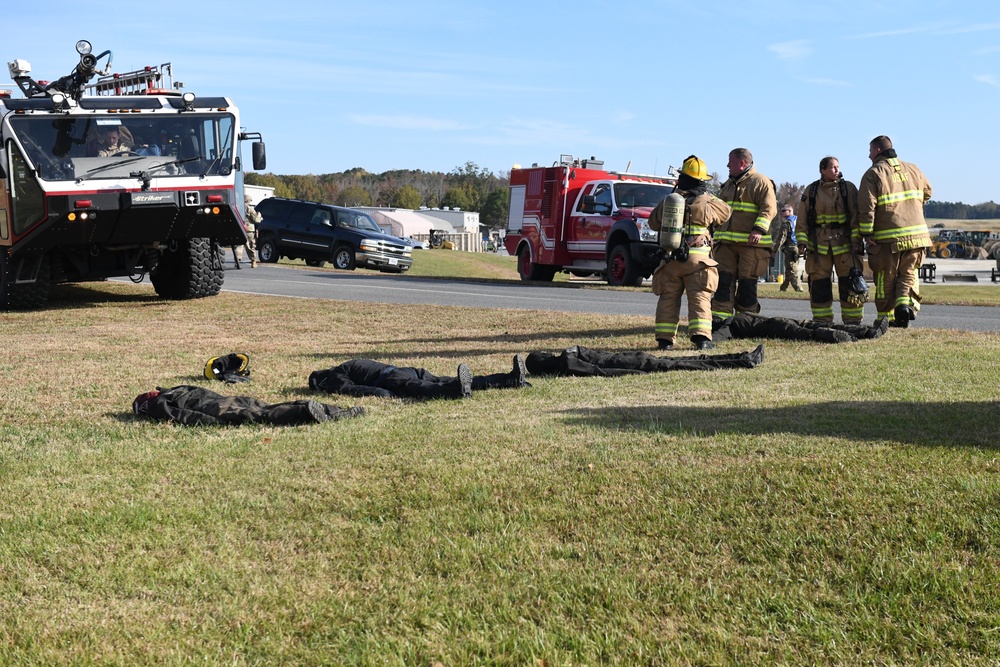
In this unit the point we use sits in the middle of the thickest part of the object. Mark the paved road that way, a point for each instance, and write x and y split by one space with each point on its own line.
369 286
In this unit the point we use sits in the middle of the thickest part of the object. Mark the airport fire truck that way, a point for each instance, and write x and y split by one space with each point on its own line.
576 217
121 177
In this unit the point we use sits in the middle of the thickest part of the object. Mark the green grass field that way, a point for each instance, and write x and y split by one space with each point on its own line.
840 504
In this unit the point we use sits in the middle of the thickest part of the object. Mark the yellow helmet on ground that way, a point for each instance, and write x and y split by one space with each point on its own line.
695 167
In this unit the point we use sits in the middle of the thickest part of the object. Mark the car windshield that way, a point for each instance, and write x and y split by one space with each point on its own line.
641 194
357 220
94 147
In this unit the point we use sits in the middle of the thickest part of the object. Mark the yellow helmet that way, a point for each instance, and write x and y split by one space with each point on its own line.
695 168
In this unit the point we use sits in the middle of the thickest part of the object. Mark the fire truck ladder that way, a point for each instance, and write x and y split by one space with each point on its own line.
146 81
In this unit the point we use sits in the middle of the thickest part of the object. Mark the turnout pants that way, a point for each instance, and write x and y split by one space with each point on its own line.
740 266
820 266
696 278
896 282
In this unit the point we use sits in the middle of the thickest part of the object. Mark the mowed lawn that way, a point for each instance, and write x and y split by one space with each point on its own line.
840 504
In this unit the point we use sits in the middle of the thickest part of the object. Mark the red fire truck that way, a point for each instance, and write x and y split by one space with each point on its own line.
574 216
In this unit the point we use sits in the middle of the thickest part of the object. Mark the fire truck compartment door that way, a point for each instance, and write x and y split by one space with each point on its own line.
515 214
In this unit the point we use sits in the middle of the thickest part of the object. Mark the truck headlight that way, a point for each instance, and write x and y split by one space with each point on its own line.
645 232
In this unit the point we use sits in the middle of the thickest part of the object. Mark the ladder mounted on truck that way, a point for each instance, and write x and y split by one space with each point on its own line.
150 80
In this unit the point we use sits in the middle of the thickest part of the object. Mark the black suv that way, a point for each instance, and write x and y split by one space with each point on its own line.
319 233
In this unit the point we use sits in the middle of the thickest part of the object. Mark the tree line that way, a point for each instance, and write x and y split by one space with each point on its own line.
473 188
468 187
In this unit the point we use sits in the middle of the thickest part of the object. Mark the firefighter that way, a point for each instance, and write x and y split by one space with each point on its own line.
690 268
743 243
829 239
115 140
893 230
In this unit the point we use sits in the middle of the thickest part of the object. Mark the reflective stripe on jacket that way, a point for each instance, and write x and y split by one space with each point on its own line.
891 204
751 198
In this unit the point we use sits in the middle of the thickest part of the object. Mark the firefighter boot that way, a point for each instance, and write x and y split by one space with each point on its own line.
702 342
903 316
664 344
518 373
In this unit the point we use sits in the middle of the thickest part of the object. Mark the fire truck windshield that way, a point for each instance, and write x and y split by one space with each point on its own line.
95 147
631 195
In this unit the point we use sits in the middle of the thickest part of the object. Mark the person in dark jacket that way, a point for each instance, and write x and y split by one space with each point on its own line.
581 361
748 325
364 377
192 406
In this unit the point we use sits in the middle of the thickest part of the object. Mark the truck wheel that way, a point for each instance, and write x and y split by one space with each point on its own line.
320 263
622 270
343 258
192 271
267 250
26 296
531 271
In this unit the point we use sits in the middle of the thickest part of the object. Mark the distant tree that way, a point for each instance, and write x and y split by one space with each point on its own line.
456 198
789 193
407 197
353 195
270 181
494 210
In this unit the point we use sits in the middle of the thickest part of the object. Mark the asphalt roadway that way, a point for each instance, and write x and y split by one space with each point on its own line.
369 286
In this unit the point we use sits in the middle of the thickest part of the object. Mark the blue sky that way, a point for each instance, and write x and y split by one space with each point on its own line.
431 85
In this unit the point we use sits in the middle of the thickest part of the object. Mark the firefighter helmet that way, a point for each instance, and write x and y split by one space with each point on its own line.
695 167
230 368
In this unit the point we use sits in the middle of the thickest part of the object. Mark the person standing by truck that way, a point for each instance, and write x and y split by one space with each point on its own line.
891 221
690 269
829 209
743 243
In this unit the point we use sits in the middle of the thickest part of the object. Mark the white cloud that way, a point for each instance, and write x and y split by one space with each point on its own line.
408 122
988 79
795 50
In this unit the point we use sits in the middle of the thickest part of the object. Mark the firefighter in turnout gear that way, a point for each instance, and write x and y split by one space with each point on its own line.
891 220
690 268
828 238
743 243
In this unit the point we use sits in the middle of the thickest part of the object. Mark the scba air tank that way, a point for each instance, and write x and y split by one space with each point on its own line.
672 222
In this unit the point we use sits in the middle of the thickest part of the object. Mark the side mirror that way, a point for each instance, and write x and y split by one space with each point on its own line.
259 156
589 204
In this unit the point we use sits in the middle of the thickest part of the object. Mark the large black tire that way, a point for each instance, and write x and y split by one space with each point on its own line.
267 250
343 257
622 270
26 296
192 271
531 271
